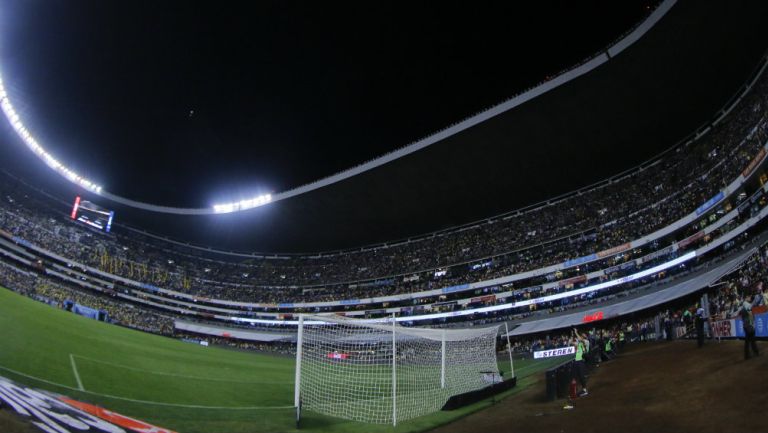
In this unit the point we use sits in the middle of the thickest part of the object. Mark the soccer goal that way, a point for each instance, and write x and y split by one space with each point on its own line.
385 373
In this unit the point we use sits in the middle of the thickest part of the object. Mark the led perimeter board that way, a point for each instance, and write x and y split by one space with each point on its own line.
92 214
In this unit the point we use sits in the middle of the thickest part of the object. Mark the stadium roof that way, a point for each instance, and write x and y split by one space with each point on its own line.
640 102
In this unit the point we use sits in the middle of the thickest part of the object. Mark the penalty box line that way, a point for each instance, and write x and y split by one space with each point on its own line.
154 403
77 375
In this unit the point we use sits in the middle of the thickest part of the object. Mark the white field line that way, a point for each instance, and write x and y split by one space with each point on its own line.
77 375
160 373
154 403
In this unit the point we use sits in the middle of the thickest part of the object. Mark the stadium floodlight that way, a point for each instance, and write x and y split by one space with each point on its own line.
29 140
37 149
455 128
385 373
243 204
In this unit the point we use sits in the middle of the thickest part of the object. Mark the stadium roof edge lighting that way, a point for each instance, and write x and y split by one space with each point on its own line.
578 70
243 204
37 149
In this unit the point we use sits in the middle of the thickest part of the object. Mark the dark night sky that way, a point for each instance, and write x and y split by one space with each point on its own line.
283 93
287 93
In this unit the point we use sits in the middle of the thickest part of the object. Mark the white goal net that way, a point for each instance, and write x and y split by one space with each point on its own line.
385 373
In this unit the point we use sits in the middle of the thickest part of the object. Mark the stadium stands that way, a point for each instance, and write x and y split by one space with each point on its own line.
700 196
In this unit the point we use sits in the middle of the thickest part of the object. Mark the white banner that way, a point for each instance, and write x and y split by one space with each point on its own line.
570 350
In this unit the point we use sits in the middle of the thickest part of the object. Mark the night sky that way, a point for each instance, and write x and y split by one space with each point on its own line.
190 103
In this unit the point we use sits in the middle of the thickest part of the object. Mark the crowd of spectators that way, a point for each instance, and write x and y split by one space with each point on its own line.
120 313
273 347
549 307
47 290
748 284
726 300
631 331
582 223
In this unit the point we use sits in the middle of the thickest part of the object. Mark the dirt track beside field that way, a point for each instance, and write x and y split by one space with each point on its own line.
651 387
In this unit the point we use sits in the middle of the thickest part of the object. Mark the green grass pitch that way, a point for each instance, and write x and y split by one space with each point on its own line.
182 386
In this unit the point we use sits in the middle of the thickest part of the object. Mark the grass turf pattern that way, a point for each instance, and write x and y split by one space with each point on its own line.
182 386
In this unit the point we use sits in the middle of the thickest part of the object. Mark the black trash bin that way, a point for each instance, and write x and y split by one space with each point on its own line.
558 378
551 384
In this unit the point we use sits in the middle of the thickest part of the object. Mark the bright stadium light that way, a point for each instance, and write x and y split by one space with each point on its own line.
21 130
582 68
243 204
37 149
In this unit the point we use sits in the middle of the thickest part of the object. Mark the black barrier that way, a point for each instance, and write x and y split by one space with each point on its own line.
462 400
558 379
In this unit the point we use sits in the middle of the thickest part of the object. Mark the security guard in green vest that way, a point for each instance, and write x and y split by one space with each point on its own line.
581 344
609 354
621 340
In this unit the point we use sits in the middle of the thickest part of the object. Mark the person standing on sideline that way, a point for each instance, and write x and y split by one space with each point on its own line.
579 342
621 339
748 320
699 322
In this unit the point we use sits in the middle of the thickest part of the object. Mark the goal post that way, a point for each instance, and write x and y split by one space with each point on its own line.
384 373
509 351
297 381
394 370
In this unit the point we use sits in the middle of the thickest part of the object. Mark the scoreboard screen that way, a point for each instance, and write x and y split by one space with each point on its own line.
92 214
